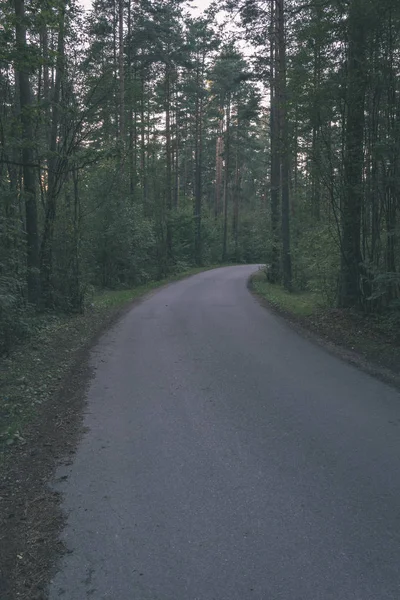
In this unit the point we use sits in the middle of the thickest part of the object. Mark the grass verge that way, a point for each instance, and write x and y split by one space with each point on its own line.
33 372
42 399
302 304
371 342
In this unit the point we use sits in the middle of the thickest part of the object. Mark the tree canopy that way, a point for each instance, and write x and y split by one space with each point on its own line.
137 140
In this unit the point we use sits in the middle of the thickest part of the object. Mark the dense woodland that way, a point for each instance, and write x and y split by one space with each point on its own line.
137 140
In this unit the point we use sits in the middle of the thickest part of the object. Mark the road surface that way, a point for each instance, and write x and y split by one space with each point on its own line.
228 458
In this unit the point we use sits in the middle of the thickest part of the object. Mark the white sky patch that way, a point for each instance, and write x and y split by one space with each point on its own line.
196 7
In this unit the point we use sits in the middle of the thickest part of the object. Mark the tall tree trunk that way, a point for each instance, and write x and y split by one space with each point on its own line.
274 267
219 148
131 80
115 67
46 251
198 166
226 177
168 156
284 148
121 70
177 147
236 192
76 295
29 187
316 118
143 165
134 133
295 156
372 175
392 193
350 272
44 42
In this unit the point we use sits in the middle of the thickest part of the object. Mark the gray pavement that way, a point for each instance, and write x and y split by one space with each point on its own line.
228 458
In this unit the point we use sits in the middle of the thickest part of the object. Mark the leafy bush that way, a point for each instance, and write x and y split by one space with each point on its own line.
316 263
14 314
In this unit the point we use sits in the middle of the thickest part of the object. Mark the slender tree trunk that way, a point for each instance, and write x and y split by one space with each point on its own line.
296 156
46 251
274 267
176 168
29 184
350 289
121 70
236 191
143 165
316 119
42 173
177 148
146 151
393 189
218 167
372 186
131 80
134 131
226 178
45 68
198 167
168 156
76 296
284 149
115 65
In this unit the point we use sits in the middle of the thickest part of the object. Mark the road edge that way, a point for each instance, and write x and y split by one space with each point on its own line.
31 515
343 353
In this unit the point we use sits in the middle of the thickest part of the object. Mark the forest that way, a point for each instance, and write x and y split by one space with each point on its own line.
138 140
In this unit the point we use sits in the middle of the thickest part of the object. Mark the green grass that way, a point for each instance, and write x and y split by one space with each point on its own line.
117 298
300 304
32 374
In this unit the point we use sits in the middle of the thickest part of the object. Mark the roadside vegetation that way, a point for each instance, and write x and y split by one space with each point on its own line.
299 304
32 374
369 340
138 141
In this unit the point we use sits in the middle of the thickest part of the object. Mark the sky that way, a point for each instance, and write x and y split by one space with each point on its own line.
196 7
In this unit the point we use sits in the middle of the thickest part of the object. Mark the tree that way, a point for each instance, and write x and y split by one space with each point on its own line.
283 142
350 292
23 66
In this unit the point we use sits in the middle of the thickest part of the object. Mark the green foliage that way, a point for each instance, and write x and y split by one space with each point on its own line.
252 236
316 262
151 140
301 304
15 321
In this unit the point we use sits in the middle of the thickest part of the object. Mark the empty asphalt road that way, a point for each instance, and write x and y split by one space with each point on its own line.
228 458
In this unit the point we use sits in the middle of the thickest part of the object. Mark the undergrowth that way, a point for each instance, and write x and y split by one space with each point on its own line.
32 373
302 304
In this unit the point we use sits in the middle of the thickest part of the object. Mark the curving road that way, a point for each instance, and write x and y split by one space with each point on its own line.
227 458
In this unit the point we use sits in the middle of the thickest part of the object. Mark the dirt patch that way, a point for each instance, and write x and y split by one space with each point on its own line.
365 341
31 518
